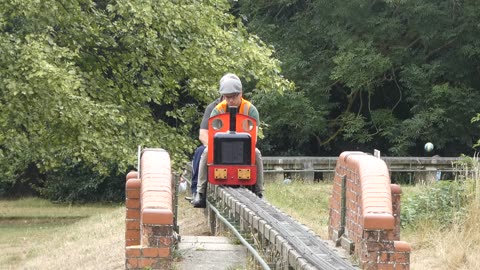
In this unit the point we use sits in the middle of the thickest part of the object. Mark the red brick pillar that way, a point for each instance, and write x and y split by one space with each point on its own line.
132 203
372 214
396 196
152 197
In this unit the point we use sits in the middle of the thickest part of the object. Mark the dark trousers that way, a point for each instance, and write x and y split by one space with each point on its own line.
195 164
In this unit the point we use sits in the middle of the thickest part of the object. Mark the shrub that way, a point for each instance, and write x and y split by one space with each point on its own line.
441 203
80 184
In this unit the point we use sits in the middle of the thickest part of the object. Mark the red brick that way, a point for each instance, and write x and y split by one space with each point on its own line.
133 214
396 189
133 251
157 216
401 246
402 257
378 221
132 234
156 252
166 241
157 241
133 193
132 263
390 235
132 242
133 184
383 266
146 262
164 252
399 266
133 203
157 230
132 175
132 224
150 252
384 257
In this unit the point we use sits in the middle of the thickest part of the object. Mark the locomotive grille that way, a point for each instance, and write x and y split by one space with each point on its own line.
232 149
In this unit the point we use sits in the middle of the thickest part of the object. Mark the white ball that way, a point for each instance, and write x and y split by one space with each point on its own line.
287 181
429 147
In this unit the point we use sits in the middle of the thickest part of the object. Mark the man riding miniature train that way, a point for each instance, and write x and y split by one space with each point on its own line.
231 91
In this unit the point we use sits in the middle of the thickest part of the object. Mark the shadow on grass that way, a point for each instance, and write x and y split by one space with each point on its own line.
38 221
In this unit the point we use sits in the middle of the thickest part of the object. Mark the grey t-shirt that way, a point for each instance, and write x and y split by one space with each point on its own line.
206 114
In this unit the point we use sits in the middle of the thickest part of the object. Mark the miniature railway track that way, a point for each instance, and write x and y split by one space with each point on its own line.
312 249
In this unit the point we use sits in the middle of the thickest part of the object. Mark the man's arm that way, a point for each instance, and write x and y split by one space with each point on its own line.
203 133
253 112
203 136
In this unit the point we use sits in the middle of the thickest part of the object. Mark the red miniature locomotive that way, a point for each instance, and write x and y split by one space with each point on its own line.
232 140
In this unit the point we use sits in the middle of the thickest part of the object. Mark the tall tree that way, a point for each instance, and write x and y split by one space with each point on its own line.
385 74
83 83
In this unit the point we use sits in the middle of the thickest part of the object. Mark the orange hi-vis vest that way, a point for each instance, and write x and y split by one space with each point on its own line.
244 107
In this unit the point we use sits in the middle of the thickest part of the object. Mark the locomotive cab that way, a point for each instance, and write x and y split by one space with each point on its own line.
233 139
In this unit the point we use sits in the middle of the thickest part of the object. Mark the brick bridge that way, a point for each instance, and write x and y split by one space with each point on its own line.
364 213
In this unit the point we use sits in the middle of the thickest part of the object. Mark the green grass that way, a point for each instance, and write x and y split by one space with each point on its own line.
37 234
454 247
305 202
27 224
39 208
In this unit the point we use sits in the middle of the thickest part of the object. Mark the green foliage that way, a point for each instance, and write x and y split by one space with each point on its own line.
476 119
283 119
444 202
357 65
80 183
441 203
389 75
83 83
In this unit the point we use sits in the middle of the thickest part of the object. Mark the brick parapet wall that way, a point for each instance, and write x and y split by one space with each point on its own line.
371 227
150 236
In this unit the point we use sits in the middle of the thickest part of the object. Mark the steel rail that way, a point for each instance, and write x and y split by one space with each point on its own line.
252 250
287 228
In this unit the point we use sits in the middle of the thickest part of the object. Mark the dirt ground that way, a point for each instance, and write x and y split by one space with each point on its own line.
191 221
